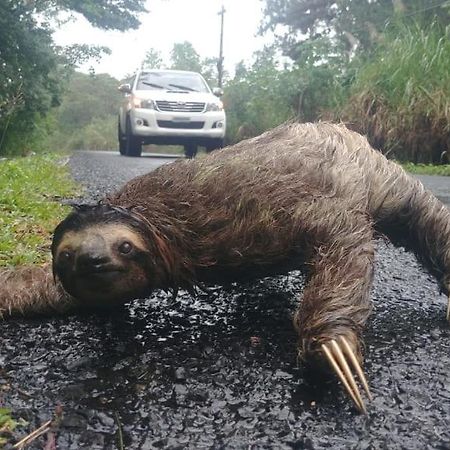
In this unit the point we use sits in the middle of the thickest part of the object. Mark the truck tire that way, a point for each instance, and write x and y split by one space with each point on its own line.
214 145
190 150
133 145
122 140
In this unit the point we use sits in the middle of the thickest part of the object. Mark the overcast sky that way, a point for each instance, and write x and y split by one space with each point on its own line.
171 21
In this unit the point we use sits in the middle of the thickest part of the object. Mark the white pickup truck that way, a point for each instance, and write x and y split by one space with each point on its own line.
170 107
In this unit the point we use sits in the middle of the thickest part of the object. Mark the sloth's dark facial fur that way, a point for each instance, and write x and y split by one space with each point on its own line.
101 255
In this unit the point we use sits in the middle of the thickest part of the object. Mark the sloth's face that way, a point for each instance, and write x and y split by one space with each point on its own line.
102 264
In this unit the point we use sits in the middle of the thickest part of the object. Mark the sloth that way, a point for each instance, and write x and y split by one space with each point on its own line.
304 196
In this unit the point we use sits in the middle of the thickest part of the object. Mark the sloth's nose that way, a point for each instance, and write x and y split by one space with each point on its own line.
92 261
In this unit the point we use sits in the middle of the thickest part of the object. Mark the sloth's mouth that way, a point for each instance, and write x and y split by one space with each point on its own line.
101 272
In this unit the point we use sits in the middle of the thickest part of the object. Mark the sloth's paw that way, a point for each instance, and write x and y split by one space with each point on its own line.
343 361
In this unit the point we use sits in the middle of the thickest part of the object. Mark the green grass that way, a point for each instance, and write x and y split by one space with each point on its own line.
427 169
7 425
29 209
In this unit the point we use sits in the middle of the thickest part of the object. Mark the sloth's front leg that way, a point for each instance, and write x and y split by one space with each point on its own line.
32 290
336 304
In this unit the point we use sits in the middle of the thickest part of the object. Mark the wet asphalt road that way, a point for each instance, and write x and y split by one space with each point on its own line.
219 371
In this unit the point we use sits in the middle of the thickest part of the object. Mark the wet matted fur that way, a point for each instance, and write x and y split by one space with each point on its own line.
302 195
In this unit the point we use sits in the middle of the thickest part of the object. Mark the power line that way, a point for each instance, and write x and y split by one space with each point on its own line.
418 11
412 13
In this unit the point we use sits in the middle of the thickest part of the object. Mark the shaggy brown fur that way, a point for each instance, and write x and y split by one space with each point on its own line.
302 194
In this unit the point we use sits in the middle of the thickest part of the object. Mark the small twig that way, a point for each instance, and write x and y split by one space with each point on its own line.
143 374
119 431
24 393
33 435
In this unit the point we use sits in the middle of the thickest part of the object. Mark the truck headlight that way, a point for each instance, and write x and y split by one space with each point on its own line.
215 106
148 104
143 103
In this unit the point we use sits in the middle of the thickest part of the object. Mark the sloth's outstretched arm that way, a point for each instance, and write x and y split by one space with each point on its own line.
336 302
408 214
29 291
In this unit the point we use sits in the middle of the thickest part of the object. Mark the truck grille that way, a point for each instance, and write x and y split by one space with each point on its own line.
183 125
164 105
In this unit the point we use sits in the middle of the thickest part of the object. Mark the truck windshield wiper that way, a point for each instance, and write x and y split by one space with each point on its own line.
158 86
184 88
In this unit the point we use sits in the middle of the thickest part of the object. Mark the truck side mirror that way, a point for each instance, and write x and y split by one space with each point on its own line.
125 88
218 92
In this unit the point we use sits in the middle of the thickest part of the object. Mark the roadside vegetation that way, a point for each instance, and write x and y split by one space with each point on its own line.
427 169
7 425
30 190
400 98
381 66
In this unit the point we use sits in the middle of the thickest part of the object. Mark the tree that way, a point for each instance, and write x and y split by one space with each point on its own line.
209 70
259 97
76 54
152 59
355 23
184 57
87 116
87 97
107 14
28 68
33 69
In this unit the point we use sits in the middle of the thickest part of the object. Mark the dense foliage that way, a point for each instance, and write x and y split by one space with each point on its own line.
381 65
87 117
108 14
184 57
33 70
356 24
28 73
264 95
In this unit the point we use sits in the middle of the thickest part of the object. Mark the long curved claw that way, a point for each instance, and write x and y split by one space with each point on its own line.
339 354
356 366
448 309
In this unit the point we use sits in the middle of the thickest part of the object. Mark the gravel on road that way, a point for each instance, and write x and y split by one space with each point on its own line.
220 370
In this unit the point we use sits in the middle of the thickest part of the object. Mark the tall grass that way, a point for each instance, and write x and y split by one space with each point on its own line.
401 98
29 210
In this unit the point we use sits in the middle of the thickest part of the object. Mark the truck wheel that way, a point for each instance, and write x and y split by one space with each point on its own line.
190 150
122 140
133 146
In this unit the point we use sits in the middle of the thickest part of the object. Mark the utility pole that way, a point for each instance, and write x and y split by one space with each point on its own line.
220 61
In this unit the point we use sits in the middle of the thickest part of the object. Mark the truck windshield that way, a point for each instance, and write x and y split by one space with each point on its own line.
171 81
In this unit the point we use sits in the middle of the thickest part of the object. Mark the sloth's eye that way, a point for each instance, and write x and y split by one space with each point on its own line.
125 247
65 256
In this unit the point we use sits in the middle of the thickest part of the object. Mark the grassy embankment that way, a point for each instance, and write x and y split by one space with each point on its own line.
400 98
29 210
